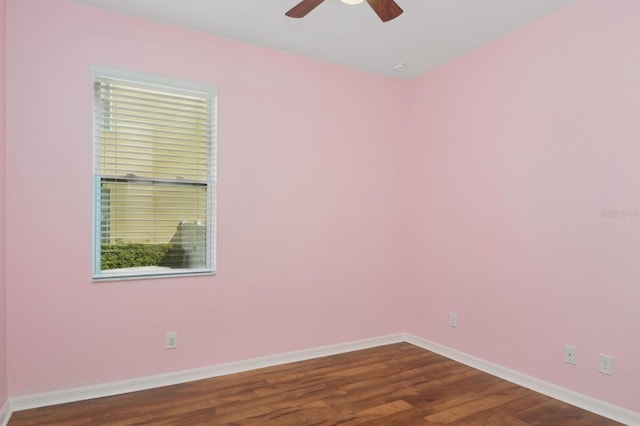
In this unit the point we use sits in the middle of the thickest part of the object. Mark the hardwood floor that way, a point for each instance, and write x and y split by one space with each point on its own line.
397 384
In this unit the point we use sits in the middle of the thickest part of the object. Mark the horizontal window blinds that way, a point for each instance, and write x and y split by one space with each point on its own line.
154 167
146 133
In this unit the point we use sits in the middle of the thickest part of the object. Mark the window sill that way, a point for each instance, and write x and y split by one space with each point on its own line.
149 272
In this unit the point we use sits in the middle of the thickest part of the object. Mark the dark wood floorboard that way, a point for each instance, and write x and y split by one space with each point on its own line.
397 384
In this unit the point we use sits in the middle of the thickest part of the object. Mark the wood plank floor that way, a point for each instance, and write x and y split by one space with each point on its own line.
397 384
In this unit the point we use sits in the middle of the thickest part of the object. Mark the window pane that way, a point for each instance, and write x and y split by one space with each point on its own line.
154 218
152 134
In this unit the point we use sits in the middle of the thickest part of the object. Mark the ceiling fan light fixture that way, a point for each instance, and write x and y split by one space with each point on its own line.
352 1
399 66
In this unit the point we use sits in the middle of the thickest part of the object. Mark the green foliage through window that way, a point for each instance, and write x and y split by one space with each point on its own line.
123 255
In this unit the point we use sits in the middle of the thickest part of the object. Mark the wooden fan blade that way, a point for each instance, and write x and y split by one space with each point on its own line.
385 9
301 9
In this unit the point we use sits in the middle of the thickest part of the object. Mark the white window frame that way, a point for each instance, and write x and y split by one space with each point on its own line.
170 84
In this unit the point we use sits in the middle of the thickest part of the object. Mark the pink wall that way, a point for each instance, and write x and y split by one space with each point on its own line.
307 248
332 227
518 150
3 305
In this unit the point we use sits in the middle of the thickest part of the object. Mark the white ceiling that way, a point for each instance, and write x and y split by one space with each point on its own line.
428 33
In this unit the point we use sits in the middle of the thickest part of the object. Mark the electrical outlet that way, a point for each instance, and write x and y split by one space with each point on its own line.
570 354
453 319
605 365
171 340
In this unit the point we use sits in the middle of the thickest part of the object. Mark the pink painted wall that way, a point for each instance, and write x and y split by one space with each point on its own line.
525 205
3 304
332 226
307 249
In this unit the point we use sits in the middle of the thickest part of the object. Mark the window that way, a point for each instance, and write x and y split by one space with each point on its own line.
154 176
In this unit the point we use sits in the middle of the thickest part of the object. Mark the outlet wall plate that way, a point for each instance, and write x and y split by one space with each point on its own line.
453 319
605 364
171 340
570 354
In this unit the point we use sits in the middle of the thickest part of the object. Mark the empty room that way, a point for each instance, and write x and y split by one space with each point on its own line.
285 212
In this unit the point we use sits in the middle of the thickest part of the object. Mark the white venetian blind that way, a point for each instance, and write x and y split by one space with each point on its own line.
154 168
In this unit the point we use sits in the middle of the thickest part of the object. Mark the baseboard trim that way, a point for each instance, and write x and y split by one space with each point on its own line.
5 413
585 402
116 388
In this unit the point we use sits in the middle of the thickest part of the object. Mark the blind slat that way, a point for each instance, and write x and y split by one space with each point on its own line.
134 137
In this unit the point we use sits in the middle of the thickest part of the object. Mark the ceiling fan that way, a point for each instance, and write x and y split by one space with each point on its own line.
385 9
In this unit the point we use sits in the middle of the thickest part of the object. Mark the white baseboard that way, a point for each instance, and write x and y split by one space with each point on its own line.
585 402
115 388
5 413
